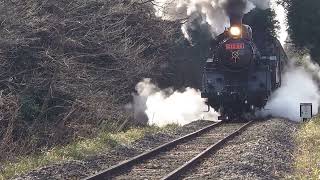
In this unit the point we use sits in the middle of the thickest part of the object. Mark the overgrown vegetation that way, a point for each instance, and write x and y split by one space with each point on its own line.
69 67
263 23
78 150
304 27
307 155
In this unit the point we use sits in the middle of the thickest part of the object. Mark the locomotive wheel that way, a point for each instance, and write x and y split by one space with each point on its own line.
228 115
249 116
243 114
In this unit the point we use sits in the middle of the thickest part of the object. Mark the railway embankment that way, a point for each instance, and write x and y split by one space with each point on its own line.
307 153
264 151
84 157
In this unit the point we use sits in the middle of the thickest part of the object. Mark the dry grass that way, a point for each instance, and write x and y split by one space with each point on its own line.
77 150
307 155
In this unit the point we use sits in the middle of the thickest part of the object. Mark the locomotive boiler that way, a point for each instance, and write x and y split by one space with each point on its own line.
239 76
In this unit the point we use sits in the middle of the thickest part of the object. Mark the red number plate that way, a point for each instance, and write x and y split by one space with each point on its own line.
235 46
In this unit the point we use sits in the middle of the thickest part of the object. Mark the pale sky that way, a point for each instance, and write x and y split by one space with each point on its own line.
281 17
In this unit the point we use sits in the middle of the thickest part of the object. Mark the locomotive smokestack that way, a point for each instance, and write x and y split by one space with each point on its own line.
235 10
236 20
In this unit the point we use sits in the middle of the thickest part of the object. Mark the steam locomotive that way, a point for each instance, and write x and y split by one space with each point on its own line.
240 76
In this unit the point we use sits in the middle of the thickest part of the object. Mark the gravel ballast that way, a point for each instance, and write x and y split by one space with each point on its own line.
263 151
167 161
91 165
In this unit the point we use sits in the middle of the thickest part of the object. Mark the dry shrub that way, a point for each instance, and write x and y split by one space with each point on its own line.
8 121
68 66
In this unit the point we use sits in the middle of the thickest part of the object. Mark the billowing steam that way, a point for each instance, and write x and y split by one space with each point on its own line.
300 85
300 80
163 107
211 12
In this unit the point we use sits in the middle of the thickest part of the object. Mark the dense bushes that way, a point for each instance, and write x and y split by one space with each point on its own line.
263 23
304 27
68 66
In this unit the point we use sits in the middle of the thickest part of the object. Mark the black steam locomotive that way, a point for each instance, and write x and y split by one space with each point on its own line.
240 76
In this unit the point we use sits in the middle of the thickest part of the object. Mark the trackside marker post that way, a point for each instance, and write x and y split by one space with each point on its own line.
306 111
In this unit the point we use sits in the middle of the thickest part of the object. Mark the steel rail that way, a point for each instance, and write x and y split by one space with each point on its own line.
177 172
113 170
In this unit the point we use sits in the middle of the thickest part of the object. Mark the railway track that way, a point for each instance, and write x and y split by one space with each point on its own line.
172 159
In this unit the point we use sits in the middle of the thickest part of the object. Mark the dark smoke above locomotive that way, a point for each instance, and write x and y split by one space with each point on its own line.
239 77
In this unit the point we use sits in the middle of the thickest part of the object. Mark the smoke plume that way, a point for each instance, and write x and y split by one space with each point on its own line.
211 12
163 107
300 80
300 85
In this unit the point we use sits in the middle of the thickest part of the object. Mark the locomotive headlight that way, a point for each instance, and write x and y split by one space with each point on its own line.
235 31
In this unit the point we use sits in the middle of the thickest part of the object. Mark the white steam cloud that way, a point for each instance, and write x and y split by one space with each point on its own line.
212 12
299 86
163 107
300 83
